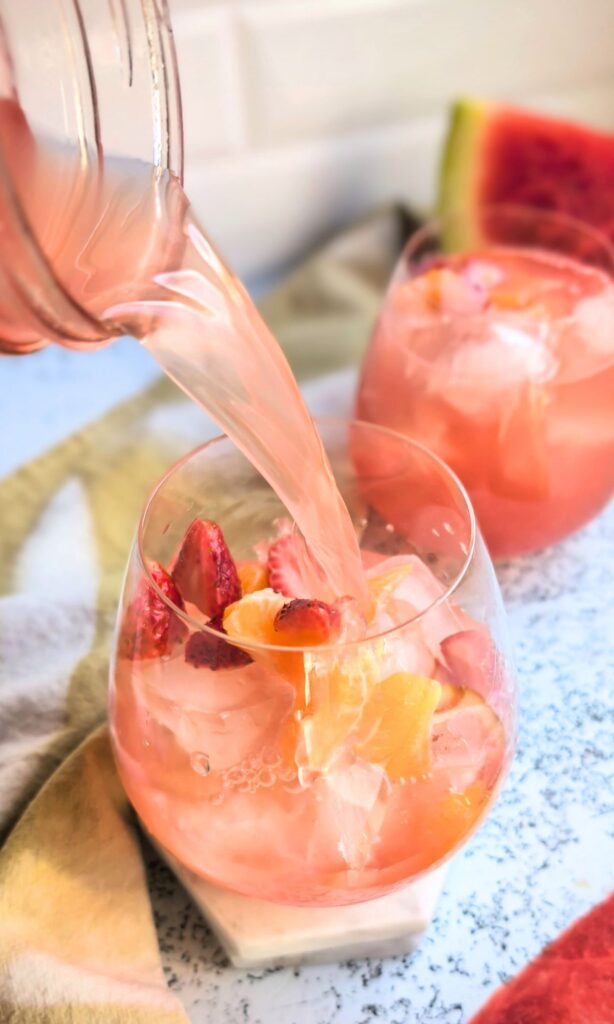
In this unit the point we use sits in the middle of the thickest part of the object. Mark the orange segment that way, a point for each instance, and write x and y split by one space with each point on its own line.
395 726
387 582
387 723
383 594
432 285
252 618
253 576
457 814
445 290
508 297
335 700
288 740
450 696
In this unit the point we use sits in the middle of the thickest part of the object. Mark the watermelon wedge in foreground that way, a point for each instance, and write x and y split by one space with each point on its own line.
495 344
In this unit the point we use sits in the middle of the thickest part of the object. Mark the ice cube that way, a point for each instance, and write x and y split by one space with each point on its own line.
585 339
484 273
227 715
355 797
468 743
471 658
479 373
414 592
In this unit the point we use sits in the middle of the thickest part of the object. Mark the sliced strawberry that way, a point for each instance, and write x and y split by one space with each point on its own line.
203 650
284 567
444 290
304 622
150 628
449 697
204 569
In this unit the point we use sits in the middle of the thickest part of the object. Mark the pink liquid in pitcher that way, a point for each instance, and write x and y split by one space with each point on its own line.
301 778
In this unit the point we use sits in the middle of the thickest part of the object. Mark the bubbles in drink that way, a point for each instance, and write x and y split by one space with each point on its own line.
200 763
260 772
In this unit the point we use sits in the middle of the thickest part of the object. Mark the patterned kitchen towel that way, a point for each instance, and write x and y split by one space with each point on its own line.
77 939
77 943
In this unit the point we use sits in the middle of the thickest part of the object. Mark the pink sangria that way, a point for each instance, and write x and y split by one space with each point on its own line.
293 743
500 358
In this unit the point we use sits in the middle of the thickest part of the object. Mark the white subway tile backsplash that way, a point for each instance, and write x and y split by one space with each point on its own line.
593 105
211 78
301 114
268 207
323 67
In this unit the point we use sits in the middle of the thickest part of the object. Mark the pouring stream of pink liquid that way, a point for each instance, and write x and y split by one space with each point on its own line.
124 254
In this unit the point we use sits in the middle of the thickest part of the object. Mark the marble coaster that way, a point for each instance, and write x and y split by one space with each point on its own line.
255 933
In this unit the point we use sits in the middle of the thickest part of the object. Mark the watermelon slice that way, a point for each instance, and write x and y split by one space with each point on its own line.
571 982
502 155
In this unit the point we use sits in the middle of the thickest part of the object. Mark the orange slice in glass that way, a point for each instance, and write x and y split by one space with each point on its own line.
468 742
253 576
457 813
251 619
395 726
387 723
335 699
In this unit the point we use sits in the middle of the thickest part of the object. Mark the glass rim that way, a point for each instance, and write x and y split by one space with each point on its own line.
434 226
201 627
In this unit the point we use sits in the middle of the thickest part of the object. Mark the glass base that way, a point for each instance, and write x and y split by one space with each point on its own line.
255 933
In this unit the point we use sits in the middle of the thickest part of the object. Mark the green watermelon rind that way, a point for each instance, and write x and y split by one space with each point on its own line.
458 181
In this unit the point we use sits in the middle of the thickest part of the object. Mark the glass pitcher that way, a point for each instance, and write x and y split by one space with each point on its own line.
88 102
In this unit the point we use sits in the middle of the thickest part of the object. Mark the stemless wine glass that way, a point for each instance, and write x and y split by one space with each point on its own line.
327 774
499 356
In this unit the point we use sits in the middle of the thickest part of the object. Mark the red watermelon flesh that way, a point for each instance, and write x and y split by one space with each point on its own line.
571 982
503 155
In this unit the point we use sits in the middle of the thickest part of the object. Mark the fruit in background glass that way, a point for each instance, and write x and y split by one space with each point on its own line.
253 575
501 360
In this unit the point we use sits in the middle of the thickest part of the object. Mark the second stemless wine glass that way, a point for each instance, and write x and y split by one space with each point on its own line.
326 774
497 352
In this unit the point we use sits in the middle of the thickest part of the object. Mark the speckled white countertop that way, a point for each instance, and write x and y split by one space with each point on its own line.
546 852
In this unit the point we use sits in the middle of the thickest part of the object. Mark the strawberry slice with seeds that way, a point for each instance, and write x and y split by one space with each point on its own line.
205 650
284 568
151 628
292 571
306 622
204 569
